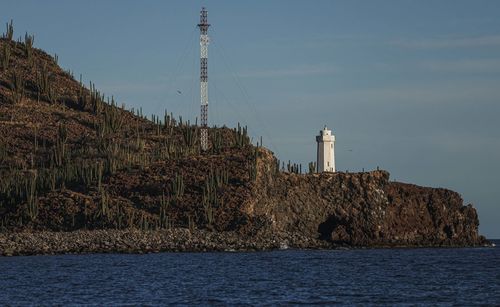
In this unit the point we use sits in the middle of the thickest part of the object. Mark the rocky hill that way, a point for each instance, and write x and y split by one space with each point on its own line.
72 159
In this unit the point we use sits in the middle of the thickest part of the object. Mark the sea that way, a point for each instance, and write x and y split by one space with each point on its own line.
440 276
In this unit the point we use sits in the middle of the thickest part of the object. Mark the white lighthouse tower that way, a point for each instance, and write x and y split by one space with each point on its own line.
326 151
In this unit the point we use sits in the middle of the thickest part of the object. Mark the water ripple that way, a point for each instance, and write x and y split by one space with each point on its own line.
366 277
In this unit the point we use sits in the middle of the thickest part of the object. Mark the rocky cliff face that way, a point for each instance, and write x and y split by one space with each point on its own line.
429 216
362 209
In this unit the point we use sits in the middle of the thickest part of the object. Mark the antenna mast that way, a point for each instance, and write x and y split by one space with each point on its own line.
203 25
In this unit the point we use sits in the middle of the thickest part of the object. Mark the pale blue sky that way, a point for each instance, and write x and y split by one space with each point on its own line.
412 86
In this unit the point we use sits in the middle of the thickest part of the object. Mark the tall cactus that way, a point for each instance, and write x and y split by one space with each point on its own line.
95 102
241 136
59 149
18 84
312 167
28 47
5 57
44 85
252 165
9 32
164 222
30 186
216 140
210 196
3 152
178 186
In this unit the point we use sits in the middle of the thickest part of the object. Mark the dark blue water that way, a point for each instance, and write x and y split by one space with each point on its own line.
370 277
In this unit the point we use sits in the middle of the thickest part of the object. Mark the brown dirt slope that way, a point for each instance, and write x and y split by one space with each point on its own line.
71 159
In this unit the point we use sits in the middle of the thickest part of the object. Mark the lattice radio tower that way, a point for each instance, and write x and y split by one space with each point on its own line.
203 25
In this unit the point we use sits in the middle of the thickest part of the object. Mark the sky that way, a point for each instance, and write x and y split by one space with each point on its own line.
410 86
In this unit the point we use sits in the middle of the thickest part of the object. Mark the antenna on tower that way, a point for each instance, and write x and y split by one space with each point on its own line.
203 25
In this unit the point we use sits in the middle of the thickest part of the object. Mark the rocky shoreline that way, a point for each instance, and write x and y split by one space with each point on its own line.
173 240
136 241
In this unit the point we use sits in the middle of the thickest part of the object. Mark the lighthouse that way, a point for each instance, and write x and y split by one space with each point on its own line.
326 151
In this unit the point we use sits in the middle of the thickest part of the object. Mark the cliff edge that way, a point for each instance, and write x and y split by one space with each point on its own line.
363 209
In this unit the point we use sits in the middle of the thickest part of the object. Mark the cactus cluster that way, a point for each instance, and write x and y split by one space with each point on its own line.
59 153
191 223
44 85
91 100
31 198
294 168
190 135
103 209
110 121
3 151
9 32
61 159
21 189
312 167
28 47
252 165
275 168
216 140
164 221
216 179
241 138
177 186
18 84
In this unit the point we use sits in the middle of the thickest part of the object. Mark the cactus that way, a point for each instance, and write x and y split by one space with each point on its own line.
9 33
3 152
35 141
99 175
131 219
5 57
44 85
312 167
18 84
294 167
112 120
241 136
119 218
191 224
252 172
209 215
178 186
190 136
187 133
164 221
276 168
252 165
168 123
94 102
216 140
28 47
112 116
30 186
210 200
59 149
103 210
221 177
